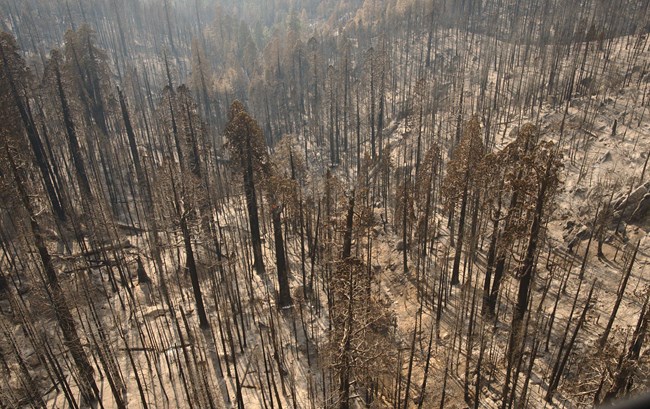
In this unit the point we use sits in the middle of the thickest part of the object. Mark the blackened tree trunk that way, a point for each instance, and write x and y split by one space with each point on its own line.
195 162
455 273
248 149
194 275
347 236
135 156
284 299
463 178
253 216
346 365
559 369
528 266
488 308
623 379
145 192
515 199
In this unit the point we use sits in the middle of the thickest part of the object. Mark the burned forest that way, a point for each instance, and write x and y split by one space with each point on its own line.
334 204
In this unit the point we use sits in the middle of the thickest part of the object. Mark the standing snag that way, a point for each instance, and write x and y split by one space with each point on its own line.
360 350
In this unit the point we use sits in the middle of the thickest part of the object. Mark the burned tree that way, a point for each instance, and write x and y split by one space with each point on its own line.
250 155
360 348
17 190
539 184
178 196
248 150
14 86
462 180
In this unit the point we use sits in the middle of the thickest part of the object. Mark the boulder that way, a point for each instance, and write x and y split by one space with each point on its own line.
33 361
634 206
606 157
574 233
580 191
642 211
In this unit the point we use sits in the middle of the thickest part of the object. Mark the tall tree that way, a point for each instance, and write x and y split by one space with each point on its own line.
179 195
462 180
15 186
14 86
538 180
87 79
54 80
513 176
87 67
246 144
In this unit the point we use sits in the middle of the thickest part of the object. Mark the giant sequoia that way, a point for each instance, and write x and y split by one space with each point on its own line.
249 153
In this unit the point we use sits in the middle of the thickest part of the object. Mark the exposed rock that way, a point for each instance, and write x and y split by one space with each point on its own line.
642 210
400 246
444 334
142 273
154 313
606 157
33 361
574 233
580 191
24 289
634 206
587 82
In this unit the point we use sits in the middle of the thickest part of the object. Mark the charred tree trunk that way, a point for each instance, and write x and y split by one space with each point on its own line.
347 236
488 308
251 206
194 274
455 273
559 369
284 299
528 266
